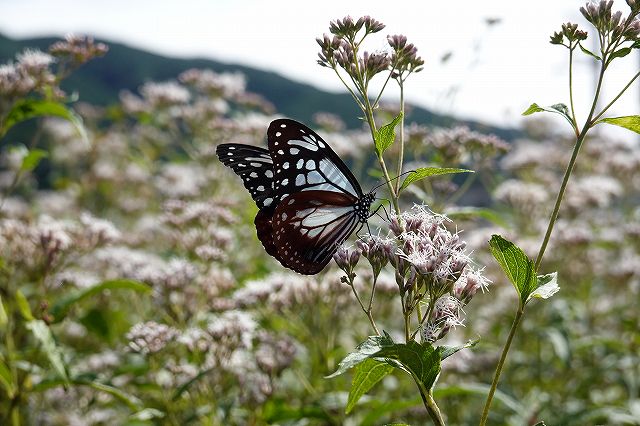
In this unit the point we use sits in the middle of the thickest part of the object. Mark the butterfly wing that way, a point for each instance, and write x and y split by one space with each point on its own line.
255 166
308 227
303 161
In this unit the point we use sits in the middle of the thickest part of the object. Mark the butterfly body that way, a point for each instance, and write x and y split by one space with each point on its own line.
309 202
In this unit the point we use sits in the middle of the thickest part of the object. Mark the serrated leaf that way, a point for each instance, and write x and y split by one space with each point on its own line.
26 109
32 159
386 135
588 52
368 373
629 122
363 351
421 361
447 351
61 307
517 266
546 286
42 333
23 306
6 379
425 172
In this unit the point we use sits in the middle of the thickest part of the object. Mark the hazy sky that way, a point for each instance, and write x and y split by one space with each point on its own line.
494 72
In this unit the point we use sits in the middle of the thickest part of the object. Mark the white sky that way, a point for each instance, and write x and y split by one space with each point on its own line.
495 72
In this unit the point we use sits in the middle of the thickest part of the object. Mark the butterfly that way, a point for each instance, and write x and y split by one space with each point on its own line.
309 202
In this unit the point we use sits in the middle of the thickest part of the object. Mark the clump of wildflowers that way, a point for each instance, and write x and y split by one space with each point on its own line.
431 267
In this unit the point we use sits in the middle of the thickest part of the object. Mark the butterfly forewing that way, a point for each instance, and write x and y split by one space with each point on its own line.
304 162
309 201
255 166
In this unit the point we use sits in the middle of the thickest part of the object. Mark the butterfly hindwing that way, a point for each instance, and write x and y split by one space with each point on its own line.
309 202
303 161
255 166
308 226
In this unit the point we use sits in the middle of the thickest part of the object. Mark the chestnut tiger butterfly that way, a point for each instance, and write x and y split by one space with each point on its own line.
309 202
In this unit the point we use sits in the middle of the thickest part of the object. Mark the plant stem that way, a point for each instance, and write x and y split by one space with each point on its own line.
624 89
503 357
401 153
573 110
432 407
365 310
570 166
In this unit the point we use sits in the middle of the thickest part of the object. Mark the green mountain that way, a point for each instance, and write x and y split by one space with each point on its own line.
126 68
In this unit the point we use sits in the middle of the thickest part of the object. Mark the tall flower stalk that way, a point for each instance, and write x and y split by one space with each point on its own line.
617 37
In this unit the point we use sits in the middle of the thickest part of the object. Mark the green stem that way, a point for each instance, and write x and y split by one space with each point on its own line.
570 166
573 110
432 408
365 310
503 357
401 153
616 98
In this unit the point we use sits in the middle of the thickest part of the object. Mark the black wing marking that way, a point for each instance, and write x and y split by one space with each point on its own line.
255 166
303 161
309 226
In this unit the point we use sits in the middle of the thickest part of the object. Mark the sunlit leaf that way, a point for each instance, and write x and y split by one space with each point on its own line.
368 373
420 360
629 122
363 351
447 351
425 172
26 109
386 135
517 266
6 379
23 306
547 286
32 159
457 213
4 319
559 108
42 333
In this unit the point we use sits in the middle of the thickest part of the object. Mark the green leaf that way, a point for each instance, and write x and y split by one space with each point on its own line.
588 52
421 361
183 388
368 373
629 122
23 306
32 159
61 307
517 266
425 172
470 212
447 351
6 379
386 135
42 333
546 286
25 109
4 319
147 414
620 53
555 108
363 351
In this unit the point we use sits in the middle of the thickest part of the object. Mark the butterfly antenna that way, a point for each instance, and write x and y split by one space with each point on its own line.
391 180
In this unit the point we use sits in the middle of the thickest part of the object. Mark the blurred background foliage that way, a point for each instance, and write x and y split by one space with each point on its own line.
134 290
